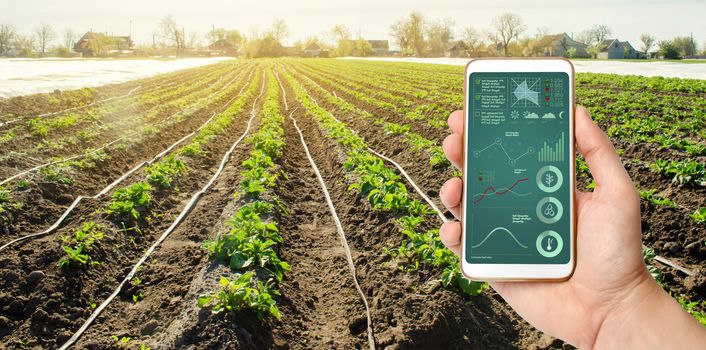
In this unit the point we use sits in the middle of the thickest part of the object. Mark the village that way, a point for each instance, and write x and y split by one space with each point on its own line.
412 36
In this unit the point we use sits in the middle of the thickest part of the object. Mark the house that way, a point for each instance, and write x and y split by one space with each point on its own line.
312 50
380 47
457 49
224 47
616 49
562 45
292 51
98 44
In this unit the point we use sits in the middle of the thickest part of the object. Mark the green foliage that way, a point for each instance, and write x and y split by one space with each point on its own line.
656 199
129 201
695 308
647 255
192 150
699 215
78 246
166 171
4 199
38 127
242 293
250 241
60 173
682 172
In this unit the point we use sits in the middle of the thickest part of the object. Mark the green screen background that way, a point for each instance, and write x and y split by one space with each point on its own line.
518 186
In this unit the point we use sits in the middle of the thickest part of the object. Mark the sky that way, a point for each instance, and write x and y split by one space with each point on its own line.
371 18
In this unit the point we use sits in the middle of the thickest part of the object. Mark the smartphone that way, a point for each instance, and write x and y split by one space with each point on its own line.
518 212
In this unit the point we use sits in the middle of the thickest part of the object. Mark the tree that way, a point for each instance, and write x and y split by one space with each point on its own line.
438 36
648 42
595 35
169 31
279 30
668 50
23 45
686 45
7 36
363 48
69 38
45 34
473 40
342 39
409 34
508 27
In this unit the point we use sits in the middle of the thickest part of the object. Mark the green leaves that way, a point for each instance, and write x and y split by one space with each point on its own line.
128 202
79 245
243 292
688 172
165 172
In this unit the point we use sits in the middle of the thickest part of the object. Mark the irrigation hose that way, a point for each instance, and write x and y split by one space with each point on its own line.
441 215
187 209
107 189
341 233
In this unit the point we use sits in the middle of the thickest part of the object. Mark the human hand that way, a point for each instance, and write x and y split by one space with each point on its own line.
610 277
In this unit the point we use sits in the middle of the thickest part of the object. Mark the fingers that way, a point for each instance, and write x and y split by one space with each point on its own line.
602 160
456 122
450 234
450 194
453 148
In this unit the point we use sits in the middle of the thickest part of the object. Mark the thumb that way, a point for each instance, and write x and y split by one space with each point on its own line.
602 159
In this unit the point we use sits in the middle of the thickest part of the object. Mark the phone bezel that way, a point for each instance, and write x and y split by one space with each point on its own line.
521 272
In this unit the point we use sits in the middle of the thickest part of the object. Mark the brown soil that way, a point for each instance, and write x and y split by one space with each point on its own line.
46 313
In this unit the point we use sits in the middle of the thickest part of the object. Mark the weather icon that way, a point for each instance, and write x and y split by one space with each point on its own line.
549 115
529 115
515 114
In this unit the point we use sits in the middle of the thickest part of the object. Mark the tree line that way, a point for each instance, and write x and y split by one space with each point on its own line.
414 34
508 36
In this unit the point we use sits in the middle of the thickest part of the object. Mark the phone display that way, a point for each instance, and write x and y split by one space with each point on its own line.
519 180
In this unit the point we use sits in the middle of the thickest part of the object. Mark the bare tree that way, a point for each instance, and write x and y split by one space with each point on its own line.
508 27
45 34
280 30
342 38
23 45
595 35
7 36
473 40
69 38
439 34
409 33
648 42
170 32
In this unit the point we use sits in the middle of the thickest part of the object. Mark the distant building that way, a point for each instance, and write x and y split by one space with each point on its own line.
292 51
98 44
616 49
224 47
457 49
312 50
559 45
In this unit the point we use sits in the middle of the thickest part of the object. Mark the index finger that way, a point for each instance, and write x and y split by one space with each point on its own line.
456 122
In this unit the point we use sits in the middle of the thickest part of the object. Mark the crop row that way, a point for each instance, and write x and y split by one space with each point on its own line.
415 140
386 193
249 246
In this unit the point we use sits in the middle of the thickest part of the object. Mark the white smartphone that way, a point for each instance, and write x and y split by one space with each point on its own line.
518 212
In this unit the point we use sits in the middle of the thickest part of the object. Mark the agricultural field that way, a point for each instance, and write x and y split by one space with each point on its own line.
292 203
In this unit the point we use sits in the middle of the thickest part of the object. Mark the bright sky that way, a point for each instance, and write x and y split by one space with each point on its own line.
627 18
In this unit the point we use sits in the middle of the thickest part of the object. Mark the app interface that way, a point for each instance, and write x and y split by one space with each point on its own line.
519 180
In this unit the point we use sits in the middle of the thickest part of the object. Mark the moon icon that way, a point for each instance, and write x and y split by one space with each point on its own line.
560 113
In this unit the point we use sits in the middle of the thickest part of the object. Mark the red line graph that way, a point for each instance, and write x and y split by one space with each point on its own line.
499 193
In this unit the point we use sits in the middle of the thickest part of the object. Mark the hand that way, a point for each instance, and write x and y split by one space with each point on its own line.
610 279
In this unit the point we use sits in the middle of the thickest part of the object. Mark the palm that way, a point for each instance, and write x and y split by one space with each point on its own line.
606 265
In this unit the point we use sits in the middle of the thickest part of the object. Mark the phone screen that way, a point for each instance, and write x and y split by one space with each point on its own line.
518 184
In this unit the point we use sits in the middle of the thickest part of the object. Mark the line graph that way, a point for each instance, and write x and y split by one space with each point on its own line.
500 192
499 142
499 228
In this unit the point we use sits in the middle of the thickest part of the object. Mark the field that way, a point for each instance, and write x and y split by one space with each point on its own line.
292 203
